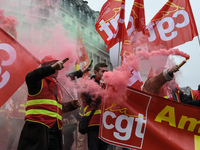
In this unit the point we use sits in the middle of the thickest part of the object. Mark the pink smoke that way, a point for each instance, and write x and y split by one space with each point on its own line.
1 15
8 23
162 52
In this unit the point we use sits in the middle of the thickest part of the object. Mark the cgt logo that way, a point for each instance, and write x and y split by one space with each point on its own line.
124 132
5 76
124 121
170 32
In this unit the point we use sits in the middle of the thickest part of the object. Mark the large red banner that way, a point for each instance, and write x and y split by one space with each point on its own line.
173 25
15 63
148 122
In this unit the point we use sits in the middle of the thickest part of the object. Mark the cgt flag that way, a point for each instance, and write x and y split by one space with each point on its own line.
147 122
15 63
173 25
83 60
135 79
110 23
136 20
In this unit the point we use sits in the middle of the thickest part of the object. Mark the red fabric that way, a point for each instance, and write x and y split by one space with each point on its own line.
83 59
46 93
173 25
16 62
95 120
110 23
147 122
135 79
195 94
137 18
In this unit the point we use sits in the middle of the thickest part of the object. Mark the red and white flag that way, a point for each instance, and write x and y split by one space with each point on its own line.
127 50
110 23
137 18
15 63
173 25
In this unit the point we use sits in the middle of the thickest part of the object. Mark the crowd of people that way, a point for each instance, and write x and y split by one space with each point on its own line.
51 124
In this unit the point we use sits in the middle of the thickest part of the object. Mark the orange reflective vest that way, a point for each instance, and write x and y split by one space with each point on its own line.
18 111
195 94
95 120
43 107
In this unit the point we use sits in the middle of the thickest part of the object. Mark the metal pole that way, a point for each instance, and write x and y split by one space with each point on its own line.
198 40
66 90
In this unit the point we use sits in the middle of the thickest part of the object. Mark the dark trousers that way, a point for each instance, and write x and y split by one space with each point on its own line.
94 142
35 136
16 126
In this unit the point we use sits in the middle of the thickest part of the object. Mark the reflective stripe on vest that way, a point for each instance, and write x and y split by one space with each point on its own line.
98 111
42 111
43 101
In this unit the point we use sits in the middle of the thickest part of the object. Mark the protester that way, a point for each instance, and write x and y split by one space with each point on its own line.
42 129
81 139
193 98
195 94
16 118
175 93
69 126
94 142
157 84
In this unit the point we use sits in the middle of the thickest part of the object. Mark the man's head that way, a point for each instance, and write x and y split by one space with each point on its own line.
99 69
48 60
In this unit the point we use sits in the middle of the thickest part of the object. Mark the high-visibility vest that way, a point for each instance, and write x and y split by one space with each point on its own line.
43 107
95 120
18 111
195 94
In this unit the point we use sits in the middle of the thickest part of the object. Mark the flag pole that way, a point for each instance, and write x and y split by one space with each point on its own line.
198 40
118 54
66 90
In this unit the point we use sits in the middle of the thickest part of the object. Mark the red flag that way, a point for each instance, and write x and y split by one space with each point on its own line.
83 60
173 25
148 122
110 23
135 79
15 63
137 18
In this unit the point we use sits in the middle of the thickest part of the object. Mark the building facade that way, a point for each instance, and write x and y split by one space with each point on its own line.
35 15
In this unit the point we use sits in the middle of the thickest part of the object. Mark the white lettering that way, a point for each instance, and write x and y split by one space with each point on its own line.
125 132
12 57
170 26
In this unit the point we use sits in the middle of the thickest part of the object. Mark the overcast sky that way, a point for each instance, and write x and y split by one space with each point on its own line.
190 72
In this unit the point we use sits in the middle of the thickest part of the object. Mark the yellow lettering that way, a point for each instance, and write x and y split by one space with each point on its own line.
170 118
196 142
193 123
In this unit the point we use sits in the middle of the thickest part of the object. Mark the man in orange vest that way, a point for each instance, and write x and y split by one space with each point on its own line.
94 143
193 98
43 119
